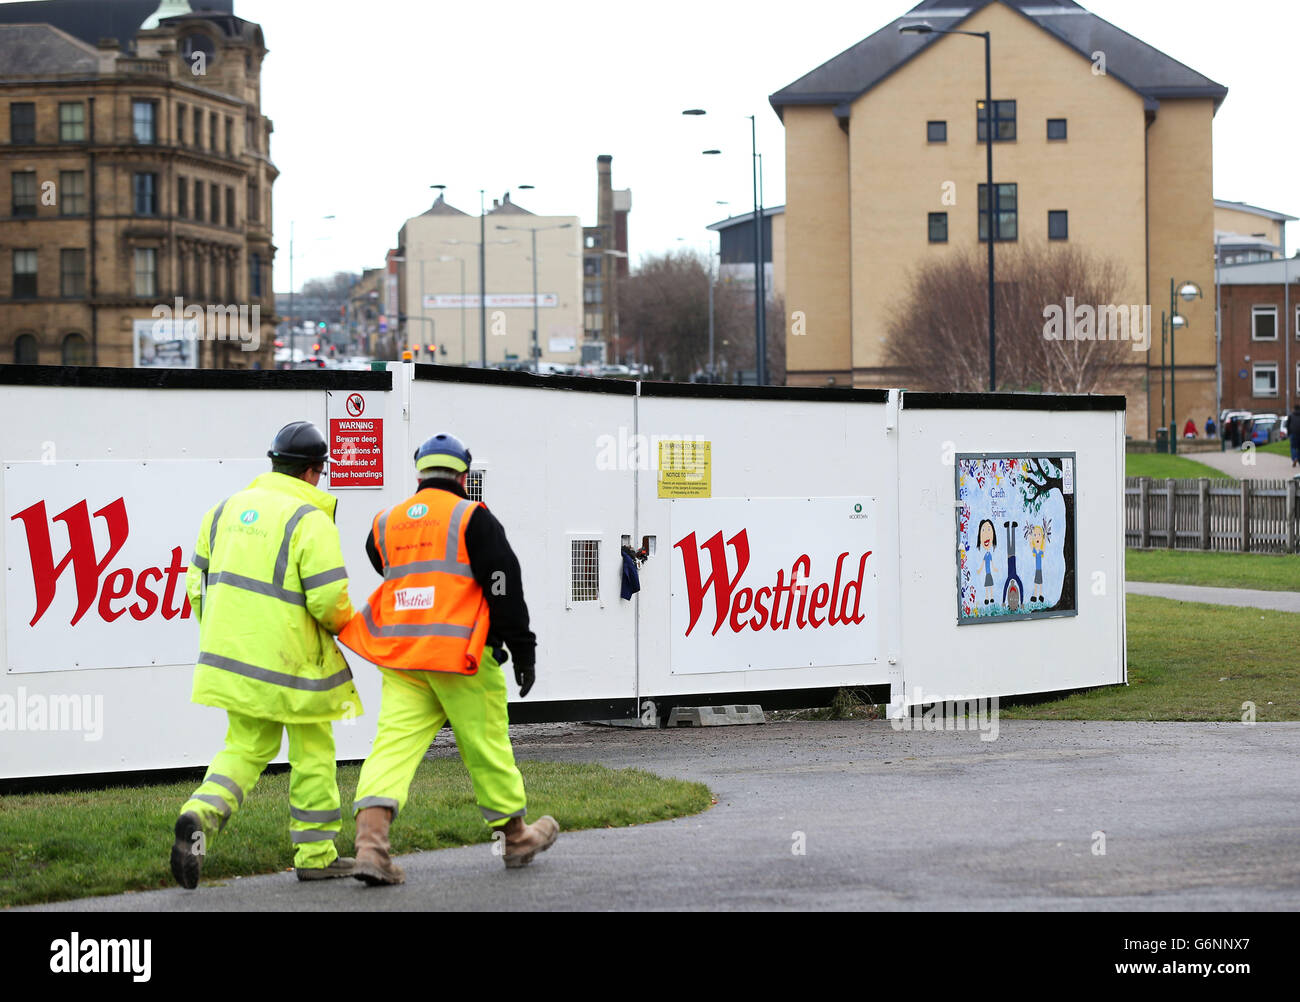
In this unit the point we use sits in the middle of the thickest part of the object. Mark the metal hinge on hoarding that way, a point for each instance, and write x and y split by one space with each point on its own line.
891 409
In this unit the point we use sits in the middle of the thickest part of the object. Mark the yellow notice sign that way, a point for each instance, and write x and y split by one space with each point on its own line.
685 469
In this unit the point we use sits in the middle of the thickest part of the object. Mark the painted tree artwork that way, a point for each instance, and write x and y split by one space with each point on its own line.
1015 537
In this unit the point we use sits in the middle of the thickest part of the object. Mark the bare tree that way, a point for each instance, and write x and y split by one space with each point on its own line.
664 317
1059 327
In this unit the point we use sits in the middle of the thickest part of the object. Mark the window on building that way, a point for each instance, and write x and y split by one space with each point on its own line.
144 121
1263 323
1297 380
592 293
24 193
72 122
212 131
1265 380
1006 212
214 203
1056 128
591 266
1058 224
936 132
146 271
938 226
255 276
1297 322
72 192
22 122
76 350
198 200
182 197
230 207
72 273
24 274
230 136
145 186
254 202
593 240
180 124
1004 121
25 350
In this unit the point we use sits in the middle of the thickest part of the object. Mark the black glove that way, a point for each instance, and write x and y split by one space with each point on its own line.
525 676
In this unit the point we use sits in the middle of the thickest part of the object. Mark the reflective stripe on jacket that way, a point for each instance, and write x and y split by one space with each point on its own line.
269 589
429 614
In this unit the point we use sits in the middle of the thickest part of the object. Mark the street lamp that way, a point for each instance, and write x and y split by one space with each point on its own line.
924 28
533 230
760 292
293 328
1187 291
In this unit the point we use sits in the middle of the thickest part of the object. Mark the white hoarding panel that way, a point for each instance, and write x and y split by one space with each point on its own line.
97 554
773 583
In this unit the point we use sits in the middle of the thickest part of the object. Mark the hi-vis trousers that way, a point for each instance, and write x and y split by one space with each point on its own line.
314 811
415 706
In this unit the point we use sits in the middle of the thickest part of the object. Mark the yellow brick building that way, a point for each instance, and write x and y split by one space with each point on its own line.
1090 122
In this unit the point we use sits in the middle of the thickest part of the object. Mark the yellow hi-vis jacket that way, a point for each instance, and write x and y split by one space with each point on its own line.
269 590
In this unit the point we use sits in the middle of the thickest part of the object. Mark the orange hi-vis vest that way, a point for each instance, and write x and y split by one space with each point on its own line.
429 614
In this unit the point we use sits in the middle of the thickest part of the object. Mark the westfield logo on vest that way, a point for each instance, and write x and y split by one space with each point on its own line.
155 590
798 601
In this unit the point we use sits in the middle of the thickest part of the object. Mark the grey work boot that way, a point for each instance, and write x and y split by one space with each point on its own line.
373 864
343 866
187 850
523 842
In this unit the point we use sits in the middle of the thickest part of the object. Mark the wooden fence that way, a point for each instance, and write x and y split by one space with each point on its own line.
1239 516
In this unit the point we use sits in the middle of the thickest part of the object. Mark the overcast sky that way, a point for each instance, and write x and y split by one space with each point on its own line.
373 102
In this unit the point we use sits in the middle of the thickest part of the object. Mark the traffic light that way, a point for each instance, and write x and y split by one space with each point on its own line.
433 349
315 347
321 325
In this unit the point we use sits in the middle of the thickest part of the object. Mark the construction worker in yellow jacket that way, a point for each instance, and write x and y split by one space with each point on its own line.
269 591
452 596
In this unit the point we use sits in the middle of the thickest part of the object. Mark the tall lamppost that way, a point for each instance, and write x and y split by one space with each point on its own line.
924 28
534 230
293 328
1188 291
760 294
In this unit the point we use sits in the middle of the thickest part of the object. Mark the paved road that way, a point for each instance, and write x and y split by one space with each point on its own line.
1195 816
1283 601
1266 465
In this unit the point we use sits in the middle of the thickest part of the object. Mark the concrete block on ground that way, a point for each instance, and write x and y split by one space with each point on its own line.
716 716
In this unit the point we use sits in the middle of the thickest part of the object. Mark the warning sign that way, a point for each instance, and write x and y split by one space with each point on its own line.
685 469
356 437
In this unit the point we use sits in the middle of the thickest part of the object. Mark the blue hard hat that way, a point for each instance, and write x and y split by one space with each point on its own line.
443 450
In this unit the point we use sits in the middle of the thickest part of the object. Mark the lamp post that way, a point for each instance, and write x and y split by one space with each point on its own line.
924 28
760 295
533 230
1188 291
293 328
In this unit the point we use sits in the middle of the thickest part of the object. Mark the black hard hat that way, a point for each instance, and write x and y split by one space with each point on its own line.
300 442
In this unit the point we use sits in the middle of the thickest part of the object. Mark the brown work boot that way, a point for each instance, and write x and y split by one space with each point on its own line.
373 865
523 842
340 867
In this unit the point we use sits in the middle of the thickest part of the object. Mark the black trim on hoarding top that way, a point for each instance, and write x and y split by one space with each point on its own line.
193 379
508 377
1014 401
729 391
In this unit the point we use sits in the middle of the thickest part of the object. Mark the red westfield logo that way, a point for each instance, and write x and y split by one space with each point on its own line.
772 605
88 567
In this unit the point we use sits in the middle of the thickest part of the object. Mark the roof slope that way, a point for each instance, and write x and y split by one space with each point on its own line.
1130 60
41 50
91 20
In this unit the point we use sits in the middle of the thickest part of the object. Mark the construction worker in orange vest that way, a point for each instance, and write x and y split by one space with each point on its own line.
452 596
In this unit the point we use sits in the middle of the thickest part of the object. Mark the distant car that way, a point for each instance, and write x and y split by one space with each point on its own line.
1263 428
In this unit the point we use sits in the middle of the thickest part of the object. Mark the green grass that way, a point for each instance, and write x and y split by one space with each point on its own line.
1162 467
56 846
1268 572
1282 448
1188 661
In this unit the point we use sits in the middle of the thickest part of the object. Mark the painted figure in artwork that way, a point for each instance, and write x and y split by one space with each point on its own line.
1038 533
987 539
1013 591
